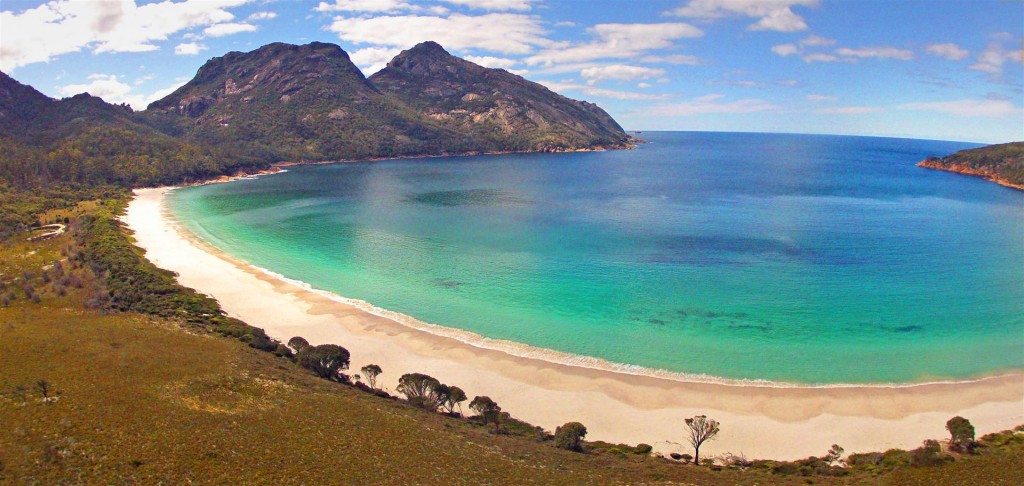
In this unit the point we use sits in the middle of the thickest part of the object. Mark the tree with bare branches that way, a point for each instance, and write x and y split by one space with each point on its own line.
700 429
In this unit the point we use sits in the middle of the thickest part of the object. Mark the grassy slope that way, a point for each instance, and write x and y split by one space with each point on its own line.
143 400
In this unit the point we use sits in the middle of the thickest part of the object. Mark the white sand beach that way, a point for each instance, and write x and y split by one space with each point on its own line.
765 422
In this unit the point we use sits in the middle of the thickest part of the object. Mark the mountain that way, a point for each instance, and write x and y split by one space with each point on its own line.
502 111
283 102
28 115
85 140
1003 163
289 102
19 105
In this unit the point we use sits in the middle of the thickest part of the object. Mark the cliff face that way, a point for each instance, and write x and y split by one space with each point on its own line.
500 110
1003 163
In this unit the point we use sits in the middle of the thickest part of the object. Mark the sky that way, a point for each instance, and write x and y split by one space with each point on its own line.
935 69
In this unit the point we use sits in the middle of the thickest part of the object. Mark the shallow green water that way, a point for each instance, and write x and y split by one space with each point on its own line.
810 259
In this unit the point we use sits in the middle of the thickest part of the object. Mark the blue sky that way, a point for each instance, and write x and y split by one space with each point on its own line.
938 69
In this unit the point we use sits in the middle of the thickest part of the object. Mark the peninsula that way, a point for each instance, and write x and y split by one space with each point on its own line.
1002 163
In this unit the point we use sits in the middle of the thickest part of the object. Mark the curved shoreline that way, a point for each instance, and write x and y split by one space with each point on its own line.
759 419
521 350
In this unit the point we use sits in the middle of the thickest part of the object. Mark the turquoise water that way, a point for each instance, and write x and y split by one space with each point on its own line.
795 258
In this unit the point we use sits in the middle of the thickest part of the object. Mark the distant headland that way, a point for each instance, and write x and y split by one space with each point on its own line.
1002 164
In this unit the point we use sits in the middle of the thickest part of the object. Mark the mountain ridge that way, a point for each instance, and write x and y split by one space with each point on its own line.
286 103
503 110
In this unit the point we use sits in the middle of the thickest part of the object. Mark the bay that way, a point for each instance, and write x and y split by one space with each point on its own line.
793 258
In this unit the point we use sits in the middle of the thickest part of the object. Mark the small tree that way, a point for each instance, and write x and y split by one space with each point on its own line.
326 360
700 429
298 343
570 436
450 397
44 387
488 410
961 434
834 454
420 390
370 372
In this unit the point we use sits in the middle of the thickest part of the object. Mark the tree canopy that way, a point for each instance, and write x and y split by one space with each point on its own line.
326 360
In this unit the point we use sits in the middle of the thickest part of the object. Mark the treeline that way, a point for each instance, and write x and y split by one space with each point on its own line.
330 361
108 155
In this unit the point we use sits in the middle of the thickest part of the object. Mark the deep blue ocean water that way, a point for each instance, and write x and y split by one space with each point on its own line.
795 258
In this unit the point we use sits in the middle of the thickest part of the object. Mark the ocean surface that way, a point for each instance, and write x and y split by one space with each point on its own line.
791 258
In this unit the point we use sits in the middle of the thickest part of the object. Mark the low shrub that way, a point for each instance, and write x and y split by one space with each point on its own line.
929 454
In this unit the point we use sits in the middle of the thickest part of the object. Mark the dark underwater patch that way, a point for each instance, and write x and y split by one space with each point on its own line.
466 197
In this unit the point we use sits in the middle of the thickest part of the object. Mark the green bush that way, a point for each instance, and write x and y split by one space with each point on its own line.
929 454
570 436
894 457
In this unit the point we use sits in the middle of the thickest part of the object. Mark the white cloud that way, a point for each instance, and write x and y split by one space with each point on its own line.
188 49
501 5
618 41
565 23
262 16
620 71
949 51
742 83
112 90
820 98
643 85
600 92
809 41
776 15
221 30
492 62
373 59
848 110
498 32
105 86
711 104
673 59
785 50
815 40
819 57
969 108
991 60
880 52
379 6
65 26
